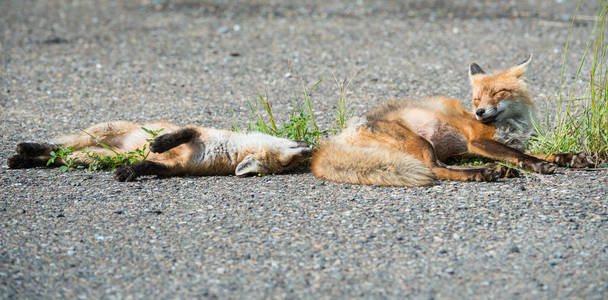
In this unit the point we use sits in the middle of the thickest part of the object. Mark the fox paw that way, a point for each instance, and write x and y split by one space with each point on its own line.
573 160
165 142
506 172
19 162
540 166
34 149
161 143
487 175
124 174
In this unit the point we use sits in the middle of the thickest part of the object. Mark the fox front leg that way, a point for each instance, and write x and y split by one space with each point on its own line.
498 151
141 168
169 141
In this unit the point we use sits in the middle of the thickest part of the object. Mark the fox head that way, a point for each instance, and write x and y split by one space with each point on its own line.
500 96
277 156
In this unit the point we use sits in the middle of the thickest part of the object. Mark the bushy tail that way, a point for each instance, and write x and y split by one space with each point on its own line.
346 163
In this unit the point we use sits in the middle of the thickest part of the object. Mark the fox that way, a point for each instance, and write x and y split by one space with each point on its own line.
181 151
405 143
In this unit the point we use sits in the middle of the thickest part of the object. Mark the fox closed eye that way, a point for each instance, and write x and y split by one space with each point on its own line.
502 93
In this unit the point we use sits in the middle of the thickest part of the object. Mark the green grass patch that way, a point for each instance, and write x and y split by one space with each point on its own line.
581 124
301 124
342 113
62 153
103 162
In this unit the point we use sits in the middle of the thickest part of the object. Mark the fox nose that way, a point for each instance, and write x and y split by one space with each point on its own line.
480 112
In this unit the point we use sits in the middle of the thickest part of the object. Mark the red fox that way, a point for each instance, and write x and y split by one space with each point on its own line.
404 143
189 150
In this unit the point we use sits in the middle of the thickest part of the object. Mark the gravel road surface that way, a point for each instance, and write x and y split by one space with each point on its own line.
67 64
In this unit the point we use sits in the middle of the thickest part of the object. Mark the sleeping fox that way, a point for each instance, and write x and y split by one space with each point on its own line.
404 143
189 150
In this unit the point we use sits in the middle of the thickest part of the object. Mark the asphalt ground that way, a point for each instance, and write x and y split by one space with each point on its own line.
79 234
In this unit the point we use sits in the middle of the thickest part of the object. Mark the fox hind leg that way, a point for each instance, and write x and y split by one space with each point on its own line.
109 133
35 149
21 161
31 155
419 147
468 174
89 156
505 172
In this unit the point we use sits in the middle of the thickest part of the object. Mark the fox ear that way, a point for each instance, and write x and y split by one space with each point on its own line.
520 69
249 166
475 69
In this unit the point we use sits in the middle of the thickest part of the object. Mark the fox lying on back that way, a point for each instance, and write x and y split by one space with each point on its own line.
404 143
189 150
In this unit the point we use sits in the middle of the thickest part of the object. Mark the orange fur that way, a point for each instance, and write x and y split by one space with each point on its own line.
402 143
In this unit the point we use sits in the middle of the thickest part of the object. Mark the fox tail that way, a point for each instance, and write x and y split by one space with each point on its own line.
346 163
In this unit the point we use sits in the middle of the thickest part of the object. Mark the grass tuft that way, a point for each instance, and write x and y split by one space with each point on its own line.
342 113
581 124
301 125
